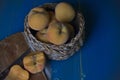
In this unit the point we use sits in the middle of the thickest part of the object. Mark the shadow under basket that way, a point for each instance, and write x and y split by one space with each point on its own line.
57 52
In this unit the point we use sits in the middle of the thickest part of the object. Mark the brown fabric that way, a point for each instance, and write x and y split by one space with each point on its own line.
38 76
11 49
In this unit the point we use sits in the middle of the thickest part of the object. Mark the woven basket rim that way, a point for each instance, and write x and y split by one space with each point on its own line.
61 44
72 43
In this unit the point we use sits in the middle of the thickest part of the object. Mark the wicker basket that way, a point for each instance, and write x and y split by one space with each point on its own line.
56 52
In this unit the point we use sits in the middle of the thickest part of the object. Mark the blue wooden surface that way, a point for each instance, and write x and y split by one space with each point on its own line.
101 51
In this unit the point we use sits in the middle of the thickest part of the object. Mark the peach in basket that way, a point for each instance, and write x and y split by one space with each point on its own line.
56 50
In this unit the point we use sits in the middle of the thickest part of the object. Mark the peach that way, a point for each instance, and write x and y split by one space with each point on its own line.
41 35
57 33
34 62
36 10
71 30
17 73
64 12
38 18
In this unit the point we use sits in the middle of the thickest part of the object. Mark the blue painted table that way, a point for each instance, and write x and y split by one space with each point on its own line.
101 51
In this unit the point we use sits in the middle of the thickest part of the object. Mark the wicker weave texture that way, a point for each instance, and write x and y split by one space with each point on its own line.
56 52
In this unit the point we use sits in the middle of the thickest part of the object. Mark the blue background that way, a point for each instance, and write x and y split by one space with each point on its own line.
101 51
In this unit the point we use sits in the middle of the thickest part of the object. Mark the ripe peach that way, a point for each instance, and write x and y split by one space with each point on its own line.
41 35
57 33
17 73
36 10
64 12
38 18
71 30
34 62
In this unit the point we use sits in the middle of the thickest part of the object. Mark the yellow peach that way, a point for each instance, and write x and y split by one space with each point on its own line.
38 19
41 35
34 62
17 73
64 12
37 10
57 33
71 30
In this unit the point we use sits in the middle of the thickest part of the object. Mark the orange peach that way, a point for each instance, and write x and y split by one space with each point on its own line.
17 73
41 35
64 12
38 18
34 62
57 33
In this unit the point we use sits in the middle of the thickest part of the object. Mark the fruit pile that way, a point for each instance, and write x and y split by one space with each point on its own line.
53 26
34 63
